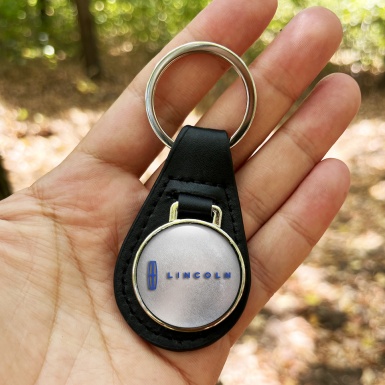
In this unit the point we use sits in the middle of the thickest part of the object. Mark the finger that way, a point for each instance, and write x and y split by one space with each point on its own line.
281 73
287 238
123 136
269 178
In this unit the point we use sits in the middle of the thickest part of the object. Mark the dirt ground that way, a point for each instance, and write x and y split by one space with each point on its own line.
326 326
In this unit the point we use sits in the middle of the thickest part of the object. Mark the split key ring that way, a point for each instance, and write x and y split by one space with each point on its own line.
214 49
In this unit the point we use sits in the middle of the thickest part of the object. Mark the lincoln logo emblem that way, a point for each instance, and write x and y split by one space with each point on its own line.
152 275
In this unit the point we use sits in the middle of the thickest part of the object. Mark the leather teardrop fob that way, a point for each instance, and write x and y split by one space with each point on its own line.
182 277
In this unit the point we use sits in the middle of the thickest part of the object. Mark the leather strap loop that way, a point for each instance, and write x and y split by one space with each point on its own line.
196 207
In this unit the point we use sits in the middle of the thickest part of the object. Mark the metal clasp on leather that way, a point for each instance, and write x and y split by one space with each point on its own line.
215 211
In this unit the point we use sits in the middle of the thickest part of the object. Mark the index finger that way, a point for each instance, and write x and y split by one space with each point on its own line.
123 136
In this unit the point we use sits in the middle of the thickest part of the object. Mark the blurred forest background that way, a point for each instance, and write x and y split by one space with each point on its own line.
63 62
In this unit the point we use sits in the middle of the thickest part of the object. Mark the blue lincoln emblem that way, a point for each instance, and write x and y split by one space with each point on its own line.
152 275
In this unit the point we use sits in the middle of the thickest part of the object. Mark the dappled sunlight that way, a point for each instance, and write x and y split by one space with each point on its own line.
33 147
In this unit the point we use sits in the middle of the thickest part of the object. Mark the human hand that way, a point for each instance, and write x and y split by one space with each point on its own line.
59 238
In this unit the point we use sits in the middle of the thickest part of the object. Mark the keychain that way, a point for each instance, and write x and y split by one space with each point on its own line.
182 277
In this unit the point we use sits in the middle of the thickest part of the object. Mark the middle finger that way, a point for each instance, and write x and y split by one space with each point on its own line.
282 72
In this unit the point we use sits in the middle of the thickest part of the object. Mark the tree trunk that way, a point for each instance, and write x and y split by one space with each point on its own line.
87 33
5 187
42 4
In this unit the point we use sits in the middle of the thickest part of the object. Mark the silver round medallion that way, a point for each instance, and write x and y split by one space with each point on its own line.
188 275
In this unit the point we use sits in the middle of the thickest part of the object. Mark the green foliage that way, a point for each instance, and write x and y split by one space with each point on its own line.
363 22
26 32
48 28
137 22
37 28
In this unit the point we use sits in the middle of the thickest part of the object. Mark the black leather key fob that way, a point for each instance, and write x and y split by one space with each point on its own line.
182 277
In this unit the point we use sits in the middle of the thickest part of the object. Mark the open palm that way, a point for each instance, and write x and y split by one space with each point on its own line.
59 239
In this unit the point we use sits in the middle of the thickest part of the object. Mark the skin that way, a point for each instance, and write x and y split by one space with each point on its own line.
59 238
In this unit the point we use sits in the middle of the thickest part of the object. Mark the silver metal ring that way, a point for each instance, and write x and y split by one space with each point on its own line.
214 49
